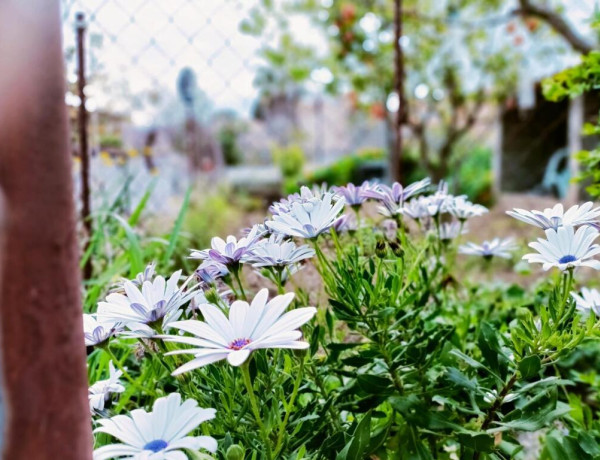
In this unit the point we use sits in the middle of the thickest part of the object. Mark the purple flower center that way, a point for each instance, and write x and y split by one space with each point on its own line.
567 259
238 344
156 446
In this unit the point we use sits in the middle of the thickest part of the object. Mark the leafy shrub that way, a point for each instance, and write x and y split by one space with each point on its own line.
290 160
111 141
405 356
346 169
228 139
474 175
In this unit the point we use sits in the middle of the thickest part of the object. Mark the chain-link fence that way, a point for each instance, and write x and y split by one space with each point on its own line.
136 51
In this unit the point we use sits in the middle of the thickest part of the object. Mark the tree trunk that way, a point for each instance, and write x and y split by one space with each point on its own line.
44 391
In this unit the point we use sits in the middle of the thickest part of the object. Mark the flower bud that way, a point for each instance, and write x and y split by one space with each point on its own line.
235 452
397 249
380 249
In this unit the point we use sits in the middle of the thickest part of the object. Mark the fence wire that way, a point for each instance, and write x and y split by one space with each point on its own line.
137 48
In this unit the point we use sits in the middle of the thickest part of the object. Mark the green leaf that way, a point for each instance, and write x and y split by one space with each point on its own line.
136 262
555 449
177 228
588 444
489 345
461 380
356 447
374 384
530 366
479 442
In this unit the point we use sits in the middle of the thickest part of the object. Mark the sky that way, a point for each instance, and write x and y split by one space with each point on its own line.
138 47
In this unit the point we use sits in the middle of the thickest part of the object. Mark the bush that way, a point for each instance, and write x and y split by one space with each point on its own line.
406 355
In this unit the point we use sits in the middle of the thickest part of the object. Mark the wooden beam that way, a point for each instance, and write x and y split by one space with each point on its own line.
44 391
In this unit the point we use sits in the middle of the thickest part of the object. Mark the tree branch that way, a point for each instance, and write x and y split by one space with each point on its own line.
558 23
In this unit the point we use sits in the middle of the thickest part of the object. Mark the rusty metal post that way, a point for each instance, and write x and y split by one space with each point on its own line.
82 128
42 349
399 77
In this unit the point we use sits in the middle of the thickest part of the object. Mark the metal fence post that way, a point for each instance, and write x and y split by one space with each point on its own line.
82 127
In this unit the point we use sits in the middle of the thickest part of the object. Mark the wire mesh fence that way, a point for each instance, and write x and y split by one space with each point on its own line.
136 50
140 122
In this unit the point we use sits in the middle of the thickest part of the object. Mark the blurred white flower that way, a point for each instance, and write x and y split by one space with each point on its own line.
147 275
308 219
210 271
588 301
565 249
463 209
438 202
275 252
393 198
450 230
157 435
416 209
100 391
97 332
157 302
229 252
556 217
306 194
355 195
488 249
261 324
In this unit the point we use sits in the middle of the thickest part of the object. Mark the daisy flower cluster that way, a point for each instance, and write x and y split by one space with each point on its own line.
569 244
207 322
570 236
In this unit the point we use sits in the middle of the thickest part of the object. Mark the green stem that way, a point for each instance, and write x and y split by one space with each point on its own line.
236 275
568 282
254 404
289 407
335 416
125 373
278 272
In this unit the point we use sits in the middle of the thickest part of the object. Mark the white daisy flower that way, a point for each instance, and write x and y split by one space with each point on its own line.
438 202
555 217
261 324
416 209
275 252
97 332
565 249
393 197
308 219
588 301
100 391
157 435
450 230
463 209
306 194
231 251
488 249
158 302
147 275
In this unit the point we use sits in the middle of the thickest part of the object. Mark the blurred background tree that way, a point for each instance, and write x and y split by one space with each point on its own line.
459 64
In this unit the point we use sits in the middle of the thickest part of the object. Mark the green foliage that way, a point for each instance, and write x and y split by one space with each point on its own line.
472 174
111 141
346 169
408 358
290 160
210 214
228 139
574 82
